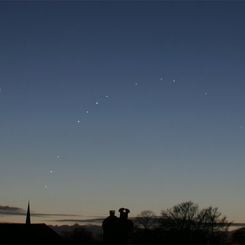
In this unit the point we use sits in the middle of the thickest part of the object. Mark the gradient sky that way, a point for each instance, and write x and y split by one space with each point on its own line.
105 104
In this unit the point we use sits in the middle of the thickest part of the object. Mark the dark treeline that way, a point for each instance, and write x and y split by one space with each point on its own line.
184 223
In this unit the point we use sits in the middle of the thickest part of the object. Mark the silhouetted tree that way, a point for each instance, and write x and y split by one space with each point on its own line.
185 222
211 222
146 219
212 219
180 217
146 224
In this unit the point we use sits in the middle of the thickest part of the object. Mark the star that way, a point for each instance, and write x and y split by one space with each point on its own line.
174 81
96 102
78 121
107 96
86 111
51 171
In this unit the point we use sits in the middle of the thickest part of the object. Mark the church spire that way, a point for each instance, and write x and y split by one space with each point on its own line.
28 215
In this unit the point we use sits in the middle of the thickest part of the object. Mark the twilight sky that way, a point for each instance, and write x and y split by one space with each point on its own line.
105 104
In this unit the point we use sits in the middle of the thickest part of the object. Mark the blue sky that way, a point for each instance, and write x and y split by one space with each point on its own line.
108 104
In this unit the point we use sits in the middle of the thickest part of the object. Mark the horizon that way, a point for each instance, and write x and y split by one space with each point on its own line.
75 219
109 104
18 215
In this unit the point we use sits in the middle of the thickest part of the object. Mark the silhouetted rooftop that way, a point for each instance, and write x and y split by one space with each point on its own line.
22 233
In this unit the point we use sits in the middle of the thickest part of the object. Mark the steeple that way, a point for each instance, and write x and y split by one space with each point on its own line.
28 215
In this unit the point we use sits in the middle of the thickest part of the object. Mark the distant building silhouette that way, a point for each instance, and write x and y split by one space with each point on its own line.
126 225
117 230
28 215
22 233
111 228
27 233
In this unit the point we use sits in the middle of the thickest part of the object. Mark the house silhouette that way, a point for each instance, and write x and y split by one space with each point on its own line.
27 233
